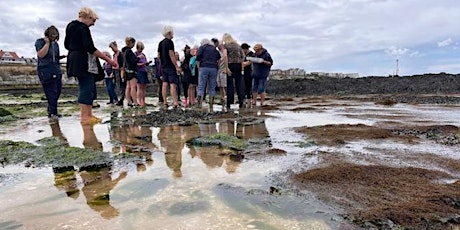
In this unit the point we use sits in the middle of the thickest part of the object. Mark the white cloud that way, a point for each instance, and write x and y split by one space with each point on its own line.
308 34
396 51
444 43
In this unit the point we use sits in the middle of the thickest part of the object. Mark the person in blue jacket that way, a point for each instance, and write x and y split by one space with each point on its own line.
260 71
49 70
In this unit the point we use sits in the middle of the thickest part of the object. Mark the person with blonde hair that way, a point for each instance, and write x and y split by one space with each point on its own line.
235 58
170 69
142 78
82 62
261 69
131 69
120 83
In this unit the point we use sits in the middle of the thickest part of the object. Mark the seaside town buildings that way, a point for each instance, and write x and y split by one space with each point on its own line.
10 57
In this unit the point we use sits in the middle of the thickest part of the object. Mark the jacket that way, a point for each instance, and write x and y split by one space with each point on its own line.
260 70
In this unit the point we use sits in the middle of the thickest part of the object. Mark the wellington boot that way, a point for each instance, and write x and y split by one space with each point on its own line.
211 104
200 101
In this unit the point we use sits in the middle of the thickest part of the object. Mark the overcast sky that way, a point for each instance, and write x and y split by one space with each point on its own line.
348 36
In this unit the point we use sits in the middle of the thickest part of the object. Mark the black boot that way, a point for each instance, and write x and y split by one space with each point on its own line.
211 104
199 104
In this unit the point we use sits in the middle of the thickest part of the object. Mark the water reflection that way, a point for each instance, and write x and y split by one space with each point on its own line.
65 178
133 139
172 139
98 183
97 180
90 140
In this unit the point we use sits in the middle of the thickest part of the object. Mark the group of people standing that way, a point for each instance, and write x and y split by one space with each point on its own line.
225 64
214 64
133 84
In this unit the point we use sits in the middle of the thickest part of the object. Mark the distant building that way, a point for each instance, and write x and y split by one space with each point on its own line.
301 73
9 57
336 75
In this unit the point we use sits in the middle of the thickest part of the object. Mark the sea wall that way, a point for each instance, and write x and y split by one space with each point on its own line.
29 81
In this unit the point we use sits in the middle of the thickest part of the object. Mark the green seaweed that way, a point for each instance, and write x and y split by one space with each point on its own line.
4 112
222 140
52 151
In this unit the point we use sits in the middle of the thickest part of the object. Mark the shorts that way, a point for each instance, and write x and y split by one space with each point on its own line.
170 76
221 80
142 78
86 89
259 85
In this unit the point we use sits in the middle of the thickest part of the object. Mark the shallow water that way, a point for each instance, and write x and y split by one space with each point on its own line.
180 186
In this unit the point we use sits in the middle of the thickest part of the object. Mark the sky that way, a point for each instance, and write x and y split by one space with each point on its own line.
368 37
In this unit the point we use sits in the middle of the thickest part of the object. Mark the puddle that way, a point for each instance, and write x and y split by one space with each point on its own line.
178 185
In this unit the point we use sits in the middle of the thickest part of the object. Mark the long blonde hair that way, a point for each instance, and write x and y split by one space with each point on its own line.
227 39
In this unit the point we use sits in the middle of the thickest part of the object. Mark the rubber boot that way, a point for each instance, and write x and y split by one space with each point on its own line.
211 104
199 104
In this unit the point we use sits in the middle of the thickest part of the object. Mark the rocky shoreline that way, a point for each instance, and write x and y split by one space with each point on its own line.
311 86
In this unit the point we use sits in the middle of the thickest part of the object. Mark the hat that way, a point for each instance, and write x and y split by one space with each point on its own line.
258 47
245 46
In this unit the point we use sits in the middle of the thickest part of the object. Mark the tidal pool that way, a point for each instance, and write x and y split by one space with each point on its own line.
177 185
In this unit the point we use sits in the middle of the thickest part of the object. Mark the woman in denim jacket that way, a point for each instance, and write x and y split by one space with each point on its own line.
49 70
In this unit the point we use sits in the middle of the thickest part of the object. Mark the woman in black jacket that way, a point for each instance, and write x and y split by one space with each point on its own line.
82 61
130 63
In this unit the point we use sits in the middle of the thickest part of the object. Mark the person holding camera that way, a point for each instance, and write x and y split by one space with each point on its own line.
49 69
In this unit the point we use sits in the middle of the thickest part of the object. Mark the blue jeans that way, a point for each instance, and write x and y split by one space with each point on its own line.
52 91
235 81
110 86
206 74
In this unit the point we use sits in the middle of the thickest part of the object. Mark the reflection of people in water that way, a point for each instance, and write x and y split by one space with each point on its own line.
98 180
64 177
134 139
210 155
90 140
97 186
172 139
56 130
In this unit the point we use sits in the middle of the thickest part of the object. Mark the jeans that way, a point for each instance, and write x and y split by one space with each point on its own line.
110 86
206 74
235 81
52 91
